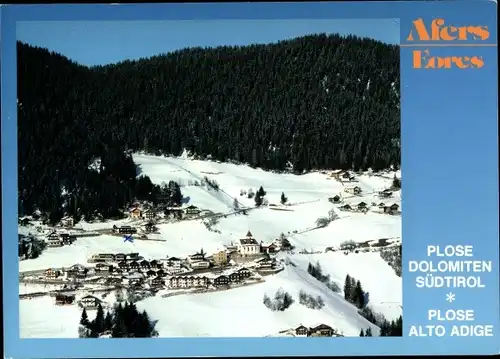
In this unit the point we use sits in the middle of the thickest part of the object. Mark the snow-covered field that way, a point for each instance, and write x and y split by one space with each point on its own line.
221 313
240 312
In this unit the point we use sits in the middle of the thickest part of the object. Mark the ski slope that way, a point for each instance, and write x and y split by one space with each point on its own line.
222 313
240 312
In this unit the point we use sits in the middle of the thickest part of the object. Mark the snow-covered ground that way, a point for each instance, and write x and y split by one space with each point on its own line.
223 311
41 318
240 312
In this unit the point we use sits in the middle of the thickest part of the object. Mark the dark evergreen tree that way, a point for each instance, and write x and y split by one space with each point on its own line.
396 182
261 192
385 329
352 294
99 321
359 295
361 333
119 329
347 288
30 247
176 194
283 198
368 332
398 327
393 328
93 333
124 322
84 319
258 199
287 300
310 268
108 322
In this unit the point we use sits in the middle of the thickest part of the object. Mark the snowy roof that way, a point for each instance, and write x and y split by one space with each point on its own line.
135 276
321 326
77 266
248 241
241 269
267 245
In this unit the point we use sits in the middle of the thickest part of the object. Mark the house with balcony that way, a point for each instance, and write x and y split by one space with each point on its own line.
54 240
52 274
149 214
192 211
157 282
124 230
221 281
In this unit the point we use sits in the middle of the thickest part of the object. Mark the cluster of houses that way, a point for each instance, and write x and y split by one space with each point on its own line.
133 271
321 330
152 215
355 190
360 207
55 239
155 281
67 221
147 228
75 272
149 213
109 264
363 207
343 176
389 209
140 212
182 282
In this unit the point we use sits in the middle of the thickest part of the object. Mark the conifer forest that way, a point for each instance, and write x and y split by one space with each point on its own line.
314 102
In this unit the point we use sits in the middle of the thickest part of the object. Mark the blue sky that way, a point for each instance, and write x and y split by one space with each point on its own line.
103 42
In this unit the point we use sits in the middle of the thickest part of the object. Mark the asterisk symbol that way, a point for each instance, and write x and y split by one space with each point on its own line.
450 297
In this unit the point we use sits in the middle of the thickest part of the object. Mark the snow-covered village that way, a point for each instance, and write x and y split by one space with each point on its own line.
208 189
281 254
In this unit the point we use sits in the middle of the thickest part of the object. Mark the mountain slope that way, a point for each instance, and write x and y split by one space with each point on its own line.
313 102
